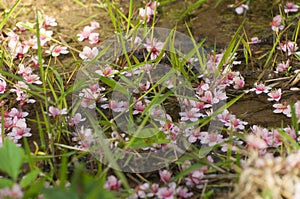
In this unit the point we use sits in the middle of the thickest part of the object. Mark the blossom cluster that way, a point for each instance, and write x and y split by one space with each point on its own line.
149 10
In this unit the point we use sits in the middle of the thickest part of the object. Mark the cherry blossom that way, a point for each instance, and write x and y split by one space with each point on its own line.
91 95
145 14
211 139
49 21
45 36
275 95
95 25
106 72
165 176
16 113
192 115
19 129
76 119
20 90
84 138
208 98
154 47
94 38
241 9
283 108
276 24
24 71
167 192
225 117
139 107
283 66
290 7
2 85
14 192
32 79
238 82
55 112
182 192
35 61
87 30
142 87
118 106
255 142
56 50
88 53
260 88
235 124
254 40
195 178
112 183
288 46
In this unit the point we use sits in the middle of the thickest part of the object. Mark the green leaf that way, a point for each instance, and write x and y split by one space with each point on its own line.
12 158
29 178
4 182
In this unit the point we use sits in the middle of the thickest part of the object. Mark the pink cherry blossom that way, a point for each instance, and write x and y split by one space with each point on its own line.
95 25
76 119
94 38
16 113
32 79
238 82
88 53
167 192
260 88
14 192
35 61
275 95
208 98
254 40
87 30
225 117
49 21
288 46
283 66
24 70
235 124
211 139
195 178
84 138
142 87
290 7
56 50
149 10
276 24
118 106
154 47
19 129
145 14
283 108
106 72
2 85
241 9
45 36
255 142
140 106
192 115
165 176
55 112
182 192
291 131
112 183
